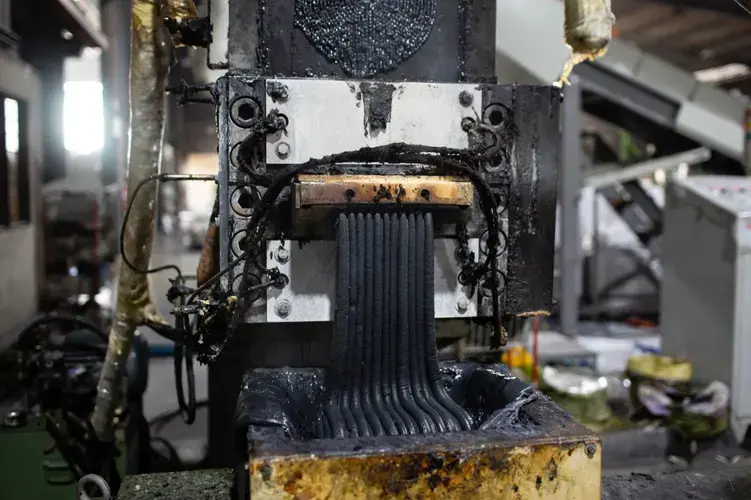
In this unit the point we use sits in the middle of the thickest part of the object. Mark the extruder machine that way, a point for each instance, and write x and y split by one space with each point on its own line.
375 177
376 183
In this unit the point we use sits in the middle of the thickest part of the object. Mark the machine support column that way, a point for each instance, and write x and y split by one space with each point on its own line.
569 186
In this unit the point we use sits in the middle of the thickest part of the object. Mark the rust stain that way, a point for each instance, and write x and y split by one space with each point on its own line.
339 190
208 264
549 471
532 314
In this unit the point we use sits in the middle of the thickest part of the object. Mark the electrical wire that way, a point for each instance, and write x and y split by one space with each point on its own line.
184 352
129 209
740 4
180 335
209 282
157 423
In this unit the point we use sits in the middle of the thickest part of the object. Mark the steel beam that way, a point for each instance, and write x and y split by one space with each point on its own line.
628 93
604 175
569 183
728 7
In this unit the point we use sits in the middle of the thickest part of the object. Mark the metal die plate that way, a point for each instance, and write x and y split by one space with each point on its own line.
413 189
334 116
311 269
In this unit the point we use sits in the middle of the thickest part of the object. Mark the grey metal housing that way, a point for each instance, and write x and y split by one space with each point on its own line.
706 287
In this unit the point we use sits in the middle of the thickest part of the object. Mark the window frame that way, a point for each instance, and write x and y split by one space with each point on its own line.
22 184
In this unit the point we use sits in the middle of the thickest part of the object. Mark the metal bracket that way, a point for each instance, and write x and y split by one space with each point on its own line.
193 32
188 93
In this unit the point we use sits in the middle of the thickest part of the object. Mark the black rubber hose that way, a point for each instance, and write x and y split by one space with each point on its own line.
415 334
377 416
431 358
347 361
365 315
425 423
333 413
361 338
424 333
184 352
378 375
357 330
402 419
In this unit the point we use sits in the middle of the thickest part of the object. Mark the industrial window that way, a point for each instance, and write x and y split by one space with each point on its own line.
15 206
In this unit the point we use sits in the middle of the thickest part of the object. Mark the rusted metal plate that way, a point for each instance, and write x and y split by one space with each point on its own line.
542 468
316 190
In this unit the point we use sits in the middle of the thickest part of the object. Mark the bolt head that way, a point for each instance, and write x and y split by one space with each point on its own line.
283 150
462 305
467 123
282 255
465 98
590 450
283 308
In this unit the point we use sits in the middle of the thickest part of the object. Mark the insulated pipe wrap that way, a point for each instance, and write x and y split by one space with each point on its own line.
150 48
588 25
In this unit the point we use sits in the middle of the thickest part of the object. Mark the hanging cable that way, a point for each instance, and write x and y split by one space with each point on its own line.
129 209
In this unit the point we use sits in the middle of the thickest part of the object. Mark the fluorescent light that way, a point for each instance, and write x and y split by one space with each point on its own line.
722 73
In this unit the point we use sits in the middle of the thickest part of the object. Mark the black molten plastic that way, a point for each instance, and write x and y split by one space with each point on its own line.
365 38
386 394
282 405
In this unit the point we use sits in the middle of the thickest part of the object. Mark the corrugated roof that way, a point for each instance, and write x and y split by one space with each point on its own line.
692 34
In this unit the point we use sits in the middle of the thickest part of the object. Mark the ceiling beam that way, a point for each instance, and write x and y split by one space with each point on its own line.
722 6
691 60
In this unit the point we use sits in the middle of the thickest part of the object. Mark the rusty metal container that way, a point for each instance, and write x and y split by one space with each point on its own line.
522 445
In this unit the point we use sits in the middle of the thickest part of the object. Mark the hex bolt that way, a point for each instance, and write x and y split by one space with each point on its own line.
283 150
283 308
465 98
590 450
282 255
462 305
467 123
278 92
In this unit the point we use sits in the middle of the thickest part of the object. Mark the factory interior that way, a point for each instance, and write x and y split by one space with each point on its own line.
505 257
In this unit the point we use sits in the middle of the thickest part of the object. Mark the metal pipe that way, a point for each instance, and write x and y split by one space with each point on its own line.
150 50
